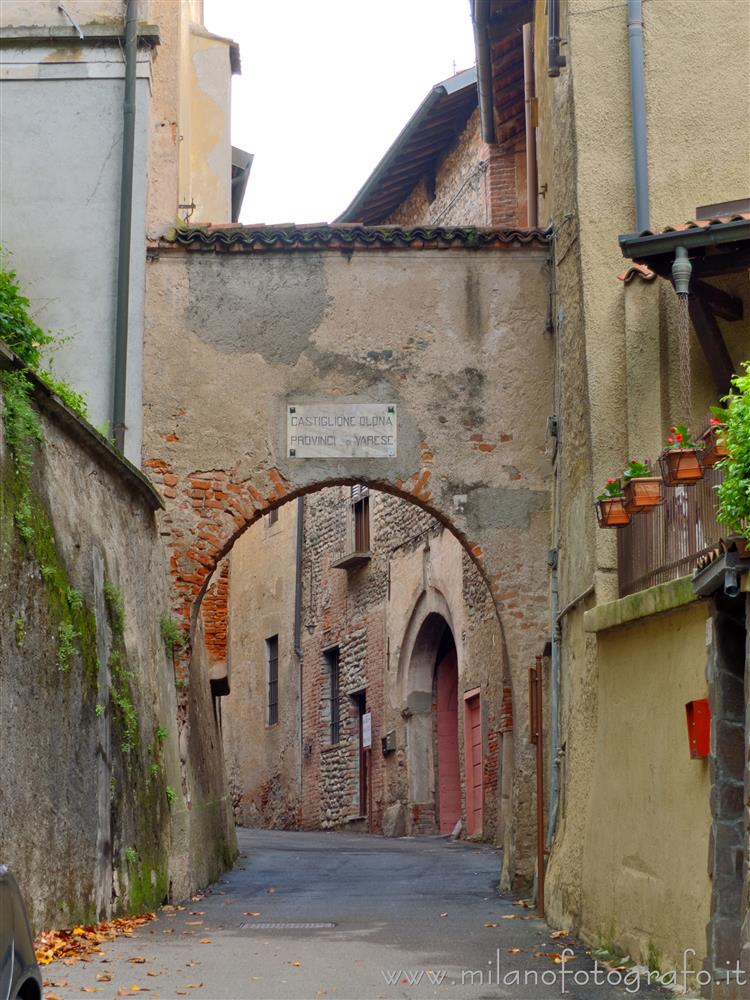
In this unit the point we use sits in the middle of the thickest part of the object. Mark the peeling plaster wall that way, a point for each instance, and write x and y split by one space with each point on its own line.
455 338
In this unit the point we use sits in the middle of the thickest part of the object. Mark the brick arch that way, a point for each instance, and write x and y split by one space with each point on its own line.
447 325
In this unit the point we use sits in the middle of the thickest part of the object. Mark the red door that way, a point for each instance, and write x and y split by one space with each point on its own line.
449 777
473 746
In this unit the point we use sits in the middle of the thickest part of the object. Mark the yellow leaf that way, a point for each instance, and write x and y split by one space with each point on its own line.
205 941
514 951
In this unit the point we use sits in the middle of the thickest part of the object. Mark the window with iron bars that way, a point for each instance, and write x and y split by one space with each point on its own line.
359 522
272 654
334 680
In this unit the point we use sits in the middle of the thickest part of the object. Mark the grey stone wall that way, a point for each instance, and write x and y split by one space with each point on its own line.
93 817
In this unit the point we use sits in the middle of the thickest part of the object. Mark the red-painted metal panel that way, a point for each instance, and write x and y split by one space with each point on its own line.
699 728
449 776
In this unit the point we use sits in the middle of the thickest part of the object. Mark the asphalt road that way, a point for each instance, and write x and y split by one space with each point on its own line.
411 918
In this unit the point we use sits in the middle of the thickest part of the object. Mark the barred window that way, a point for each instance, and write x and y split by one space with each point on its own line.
334 678
272 654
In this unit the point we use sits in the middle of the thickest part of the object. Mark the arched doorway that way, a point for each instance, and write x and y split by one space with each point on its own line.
446 734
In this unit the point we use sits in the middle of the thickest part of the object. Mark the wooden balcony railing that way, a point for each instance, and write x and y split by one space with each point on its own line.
664 544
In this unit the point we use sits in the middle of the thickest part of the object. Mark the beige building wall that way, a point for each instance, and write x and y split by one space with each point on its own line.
263 760
646 889
618 392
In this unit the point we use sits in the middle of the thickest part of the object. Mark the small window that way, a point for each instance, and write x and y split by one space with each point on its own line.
272 653
360 500
273 516
334 678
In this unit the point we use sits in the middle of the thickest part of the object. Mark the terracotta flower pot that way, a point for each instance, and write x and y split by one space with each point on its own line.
643 493
681 466
714 448
611 513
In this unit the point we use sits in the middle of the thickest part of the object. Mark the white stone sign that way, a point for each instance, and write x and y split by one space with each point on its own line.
367 731
341 430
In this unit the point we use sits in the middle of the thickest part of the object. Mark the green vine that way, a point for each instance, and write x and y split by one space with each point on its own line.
171 635
27 339
121 691
734 490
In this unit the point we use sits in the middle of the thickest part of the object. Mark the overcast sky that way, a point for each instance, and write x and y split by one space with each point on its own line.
326 86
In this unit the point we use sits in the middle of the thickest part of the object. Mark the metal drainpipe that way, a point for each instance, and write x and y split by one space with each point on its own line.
298 619
126 220
554 733
532 183
484 69
638 113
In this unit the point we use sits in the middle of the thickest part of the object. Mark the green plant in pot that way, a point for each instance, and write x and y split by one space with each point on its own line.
713 438
681 461
610 506
643 490
734 491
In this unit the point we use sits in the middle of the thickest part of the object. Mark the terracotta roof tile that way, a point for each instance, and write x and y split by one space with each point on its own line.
637 271
698 224
350 236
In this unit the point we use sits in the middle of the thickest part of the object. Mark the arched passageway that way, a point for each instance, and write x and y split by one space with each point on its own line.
446 735
445 327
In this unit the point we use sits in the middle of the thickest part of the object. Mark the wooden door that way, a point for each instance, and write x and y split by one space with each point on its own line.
449 776
473 749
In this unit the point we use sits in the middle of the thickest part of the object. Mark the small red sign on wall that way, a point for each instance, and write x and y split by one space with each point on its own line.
699 728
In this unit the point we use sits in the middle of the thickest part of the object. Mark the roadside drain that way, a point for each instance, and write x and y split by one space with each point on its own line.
247 926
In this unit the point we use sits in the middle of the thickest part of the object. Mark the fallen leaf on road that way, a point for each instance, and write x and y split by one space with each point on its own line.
508 916
152 973
194 986
251 913
80 943
90 989
121 992
137 960
272 890
197 899
102 977
514 951
194 923
197 913
52 996
443 914
296 965
492 925
320 993
540 954
205 941
181 993
558 934
59 983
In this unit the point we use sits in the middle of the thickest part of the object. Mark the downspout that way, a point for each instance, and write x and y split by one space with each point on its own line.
556 636
638 114
484 69
532 183
298 620
126 220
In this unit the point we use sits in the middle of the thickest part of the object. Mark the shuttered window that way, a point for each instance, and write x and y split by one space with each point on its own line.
360 501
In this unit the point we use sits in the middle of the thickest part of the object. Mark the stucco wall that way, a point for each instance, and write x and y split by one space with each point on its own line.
646 888
263 763
617 371
404 327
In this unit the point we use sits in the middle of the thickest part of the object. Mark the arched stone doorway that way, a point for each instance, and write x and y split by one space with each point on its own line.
448 326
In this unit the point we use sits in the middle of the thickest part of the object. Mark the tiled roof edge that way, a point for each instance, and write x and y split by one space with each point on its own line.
339 237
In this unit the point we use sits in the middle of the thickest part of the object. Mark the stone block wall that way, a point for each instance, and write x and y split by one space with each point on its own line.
475 184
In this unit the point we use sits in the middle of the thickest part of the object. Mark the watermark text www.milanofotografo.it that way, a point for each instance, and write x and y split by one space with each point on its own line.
565 977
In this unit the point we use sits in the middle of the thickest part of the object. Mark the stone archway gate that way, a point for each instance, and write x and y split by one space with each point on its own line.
445 325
